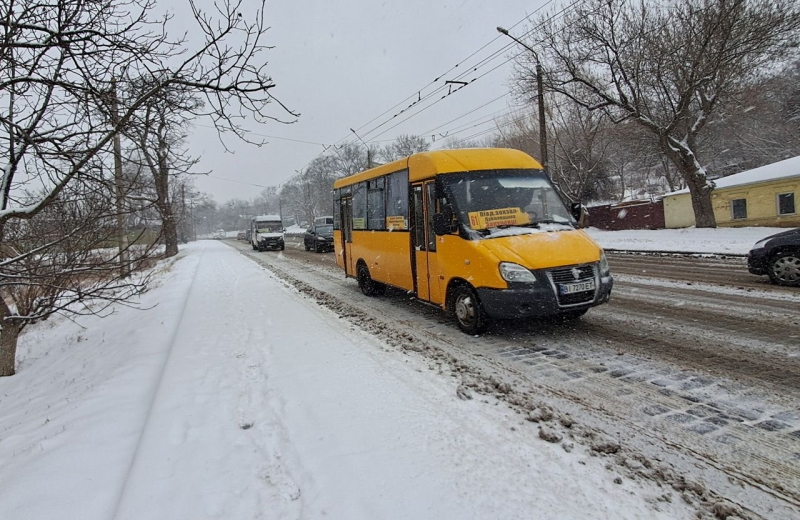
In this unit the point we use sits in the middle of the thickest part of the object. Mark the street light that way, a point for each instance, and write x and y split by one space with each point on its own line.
539 94
369 153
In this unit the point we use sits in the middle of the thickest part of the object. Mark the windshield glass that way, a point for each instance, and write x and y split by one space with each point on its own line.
487 200
269 227
324 230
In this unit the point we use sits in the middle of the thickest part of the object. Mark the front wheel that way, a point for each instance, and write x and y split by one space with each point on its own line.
784 269
468 311
283 246
367 285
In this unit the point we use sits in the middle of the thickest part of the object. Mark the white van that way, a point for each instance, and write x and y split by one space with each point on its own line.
266 232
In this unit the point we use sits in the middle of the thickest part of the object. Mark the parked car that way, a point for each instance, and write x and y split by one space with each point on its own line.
241 235
777 256
319 237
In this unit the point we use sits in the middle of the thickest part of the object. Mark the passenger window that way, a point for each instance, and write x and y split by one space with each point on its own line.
419 220
376 205
397 200
430 188
360 206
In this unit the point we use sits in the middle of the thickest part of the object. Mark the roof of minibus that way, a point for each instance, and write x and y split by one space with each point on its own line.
427 164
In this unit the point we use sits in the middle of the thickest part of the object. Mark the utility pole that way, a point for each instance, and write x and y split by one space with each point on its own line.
122 236
369 152
539 95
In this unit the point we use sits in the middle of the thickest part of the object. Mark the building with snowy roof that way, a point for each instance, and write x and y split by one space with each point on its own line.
764 196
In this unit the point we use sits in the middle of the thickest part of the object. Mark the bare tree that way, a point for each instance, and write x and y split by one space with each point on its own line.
60 63
404 146
668 68
159 131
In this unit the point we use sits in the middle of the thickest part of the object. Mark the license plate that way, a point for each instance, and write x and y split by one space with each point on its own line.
570 288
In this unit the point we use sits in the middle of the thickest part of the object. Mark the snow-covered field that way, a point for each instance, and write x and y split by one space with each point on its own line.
232 397
737 241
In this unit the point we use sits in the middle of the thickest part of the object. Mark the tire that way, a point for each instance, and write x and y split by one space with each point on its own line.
283 246
784 268
317 248
367 285
468 311
306 245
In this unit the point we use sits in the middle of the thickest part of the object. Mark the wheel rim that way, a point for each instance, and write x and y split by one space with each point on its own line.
787 268
465 309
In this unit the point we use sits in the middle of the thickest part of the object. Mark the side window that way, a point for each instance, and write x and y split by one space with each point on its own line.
419 220
397 200
786 204
360 206
376 204
337 210
739 208
430 189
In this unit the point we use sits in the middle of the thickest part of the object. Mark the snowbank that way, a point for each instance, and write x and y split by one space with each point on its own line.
735 241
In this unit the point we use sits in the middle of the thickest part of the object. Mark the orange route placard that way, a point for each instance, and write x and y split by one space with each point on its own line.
498 217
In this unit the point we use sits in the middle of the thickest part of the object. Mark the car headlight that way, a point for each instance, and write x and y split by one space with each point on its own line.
516 273
761 243
604 270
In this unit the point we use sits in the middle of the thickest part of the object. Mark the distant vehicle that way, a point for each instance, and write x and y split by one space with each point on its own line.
247 235
324 220
219 234
241 235
777 256
319 237
266 232
482 233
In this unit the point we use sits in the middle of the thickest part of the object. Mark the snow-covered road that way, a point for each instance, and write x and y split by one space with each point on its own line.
233 397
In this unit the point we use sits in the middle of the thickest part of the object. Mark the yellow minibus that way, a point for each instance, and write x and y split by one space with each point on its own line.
481 233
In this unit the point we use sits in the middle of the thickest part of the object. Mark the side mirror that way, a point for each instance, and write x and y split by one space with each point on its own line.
441 226
578 213
443 222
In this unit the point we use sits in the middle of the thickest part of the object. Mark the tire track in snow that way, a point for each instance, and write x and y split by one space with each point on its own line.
156 387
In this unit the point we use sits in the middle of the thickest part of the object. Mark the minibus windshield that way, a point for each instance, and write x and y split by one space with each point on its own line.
269 227
488 201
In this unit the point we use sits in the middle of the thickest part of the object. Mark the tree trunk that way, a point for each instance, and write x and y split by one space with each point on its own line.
697 182
170 229
8 347
701 203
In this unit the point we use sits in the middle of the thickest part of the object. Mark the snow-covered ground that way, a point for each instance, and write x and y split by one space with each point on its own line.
233 397
720 240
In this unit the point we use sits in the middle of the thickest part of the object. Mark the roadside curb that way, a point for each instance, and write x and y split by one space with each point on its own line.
672 253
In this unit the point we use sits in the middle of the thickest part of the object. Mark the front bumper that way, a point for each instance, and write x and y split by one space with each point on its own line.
757 261
270 243
539 299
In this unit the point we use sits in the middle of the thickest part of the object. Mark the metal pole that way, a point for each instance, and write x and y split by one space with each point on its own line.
542 122
369 152
539 95
122 237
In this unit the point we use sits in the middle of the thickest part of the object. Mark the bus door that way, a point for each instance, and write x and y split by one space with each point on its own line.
347 234
424 242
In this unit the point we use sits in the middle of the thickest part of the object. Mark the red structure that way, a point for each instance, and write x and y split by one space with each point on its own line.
634 214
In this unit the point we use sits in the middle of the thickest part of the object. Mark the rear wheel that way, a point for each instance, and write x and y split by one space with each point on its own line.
468 311
367 285
784 268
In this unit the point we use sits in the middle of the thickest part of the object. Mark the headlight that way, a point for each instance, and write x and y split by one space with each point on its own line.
760 244
516 273
603 263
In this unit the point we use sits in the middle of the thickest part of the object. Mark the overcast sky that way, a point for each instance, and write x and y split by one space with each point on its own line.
342 63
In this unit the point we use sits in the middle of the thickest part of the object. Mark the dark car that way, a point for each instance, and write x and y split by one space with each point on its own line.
319 237
777 256
241 235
